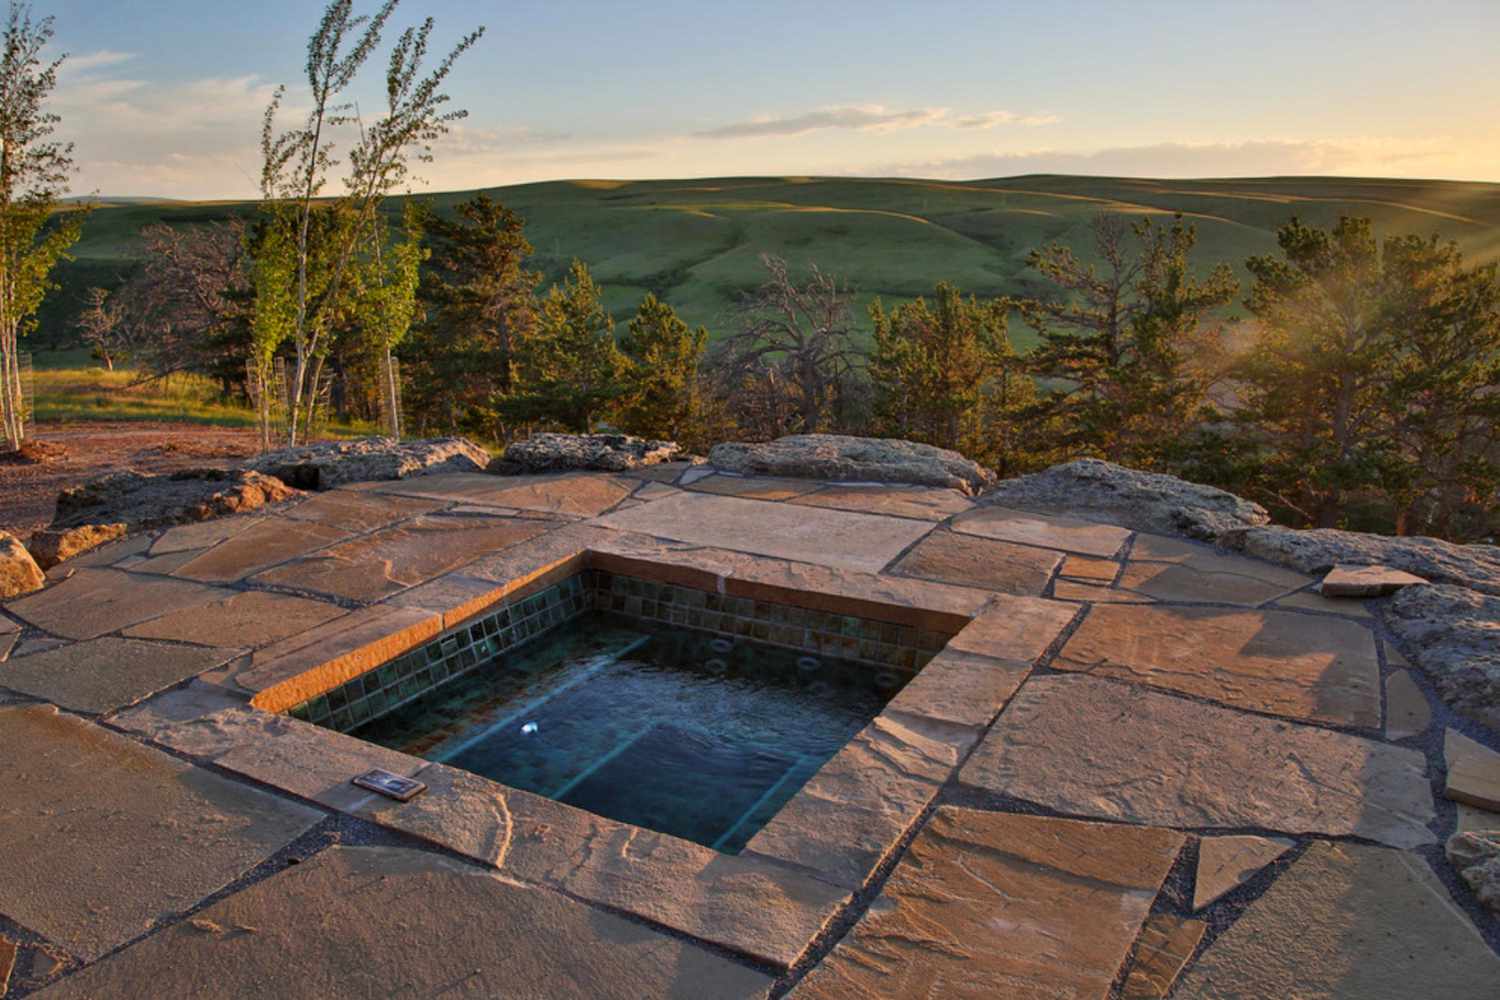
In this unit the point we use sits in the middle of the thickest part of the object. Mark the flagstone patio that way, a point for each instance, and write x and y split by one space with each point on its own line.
1139 767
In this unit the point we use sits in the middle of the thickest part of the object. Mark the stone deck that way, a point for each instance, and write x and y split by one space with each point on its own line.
1140 767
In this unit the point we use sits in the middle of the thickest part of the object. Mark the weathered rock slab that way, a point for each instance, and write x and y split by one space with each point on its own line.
327 464
901 501
1453 634
1348 922
1473 772
51 546
1225 863
600 452
1476 857
853 459
831 537
1145 501
1166 946
1318 551
744 904
373 566
106 673
273 540
988 905
365 922
1277 662
142 502
971 561
19 573
1045 531
94 602
1092 747
1406 710
356 512
853 812
1366 581
247 620
102 837
566 494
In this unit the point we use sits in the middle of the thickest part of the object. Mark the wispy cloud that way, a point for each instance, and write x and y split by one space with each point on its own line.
87 62
867 118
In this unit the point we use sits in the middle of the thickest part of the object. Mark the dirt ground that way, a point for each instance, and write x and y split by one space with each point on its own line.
28 492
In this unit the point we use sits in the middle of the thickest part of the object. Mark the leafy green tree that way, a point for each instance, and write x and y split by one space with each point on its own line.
297 165
947 375
662 397
481 312
1373 381
571 374
34 173
1128 348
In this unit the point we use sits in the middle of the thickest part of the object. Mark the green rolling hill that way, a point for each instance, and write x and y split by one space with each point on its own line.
697 242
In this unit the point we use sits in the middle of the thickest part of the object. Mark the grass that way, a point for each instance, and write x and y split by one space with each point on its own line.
69 387
697 243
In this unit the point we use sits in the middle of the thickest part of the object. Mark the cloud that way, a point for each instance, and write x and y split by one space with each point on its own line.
870 117
1250 158
74 65
992 119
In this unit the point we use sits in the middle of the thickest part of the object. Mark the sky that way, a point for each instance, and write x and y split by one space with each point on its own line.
164 97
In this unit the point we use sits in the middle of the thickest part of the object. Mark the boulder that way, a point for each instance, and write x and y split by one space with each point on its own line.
1319 550
853 459
327 464
1476 856
51 546
601 452
19 573
1146 501
1453 634
106 508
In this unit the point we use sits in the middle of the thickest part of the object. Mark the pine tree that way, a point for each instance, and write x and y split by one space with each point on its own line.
947 375
662 397
571 373
1128 349
481 311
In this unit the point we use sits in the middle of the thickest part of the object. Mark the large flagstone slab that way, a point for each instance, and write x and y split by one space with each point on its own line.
1064 533
582 494
901 501
754 487
1092 747
392 922
990 905
746 904
102 674
852 813
387 561
808 534
357 512
1348 922
248 619
1170 569
1278 662
94 602
970 561
271 541
102 837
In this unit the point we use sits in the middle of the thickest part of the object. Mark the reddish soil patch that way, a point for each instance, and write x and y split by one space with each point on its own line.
81 451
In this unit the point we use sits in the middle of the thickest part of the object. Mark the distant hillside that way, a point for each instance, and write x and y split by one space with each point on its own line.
697 242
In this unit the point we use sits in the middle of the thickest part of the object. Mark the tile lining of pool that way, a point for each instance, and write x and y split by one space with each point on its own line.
826 842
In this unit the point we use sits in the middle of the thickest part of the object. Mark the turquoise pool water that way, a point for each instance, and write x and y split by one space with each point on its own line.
680 731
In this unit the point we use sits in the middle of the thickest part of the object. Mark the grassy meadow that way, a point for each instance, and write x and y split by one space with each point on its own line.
697 243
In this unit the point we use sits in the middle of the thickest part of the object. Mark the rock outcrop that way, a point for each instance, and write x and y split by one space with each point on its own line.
106 508
853 459
600 452
327 464
1146 501
1319 550
1453 634
1476 856
19 573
